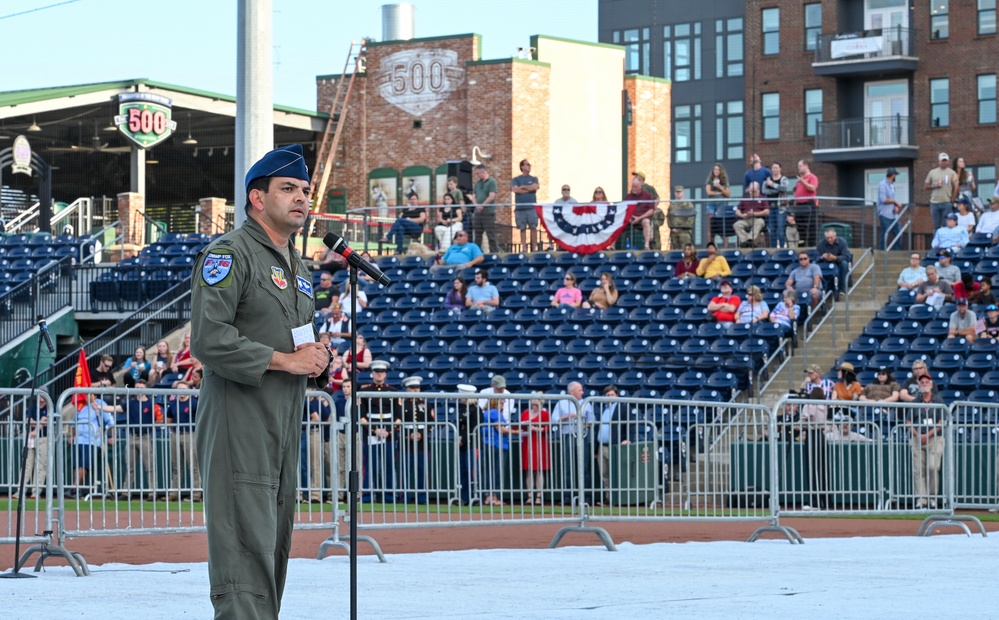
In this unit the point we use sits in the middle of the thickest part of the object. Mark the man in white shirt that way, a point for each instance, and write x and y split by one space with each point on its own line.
913 275
988 223
565 425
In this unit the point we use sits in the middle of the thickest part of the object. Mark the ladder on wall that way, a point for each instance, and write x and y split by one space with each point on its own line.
334 126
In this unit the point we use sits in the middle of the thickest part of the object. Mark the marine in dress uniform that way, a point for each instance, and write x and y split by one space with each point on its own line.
250 290
469 418
379 419
414 453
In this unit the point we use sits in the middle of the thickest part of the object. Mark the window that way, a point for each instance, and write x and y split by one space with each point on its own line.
987 98
986 16
687 134
940 19
985 181
813 25
729 47
771 31
940 102
682 52
637 49
729 130
813 111
771 116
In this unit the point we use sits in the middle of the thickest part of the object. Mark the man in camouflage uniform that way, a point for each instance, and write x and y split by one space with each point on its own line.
251 309
680 220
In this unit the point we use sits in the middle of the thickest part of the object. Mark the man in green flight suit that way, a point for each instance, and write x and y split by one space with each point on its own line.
252 306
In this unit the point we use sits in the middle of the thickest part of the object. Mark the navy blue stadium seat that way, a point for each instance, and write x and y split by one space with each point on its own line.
721 380
601 379
878 329
710 331
666 346
984 396
694 346
903 298
981 362
584 316
937 328
696 315
462 346
549 346
513 260
625 331
542 381
423 332
637 346
540 259
608 346
490 346
896 345
448 381
948 362
579 346
965 380
568 331
925 344
958 346
724 346
500 363
433 346
562 362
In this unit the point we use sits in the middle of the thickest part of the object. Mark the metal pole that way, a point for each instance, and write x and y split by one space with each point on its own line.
254 98
352 481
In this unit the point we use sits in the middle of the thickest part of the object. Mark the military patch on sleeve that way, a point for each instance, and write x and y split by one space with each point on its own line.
304 286
216 268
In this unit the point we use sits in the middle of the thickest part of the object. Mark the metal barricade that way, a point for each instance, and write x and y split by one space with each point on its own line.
975 440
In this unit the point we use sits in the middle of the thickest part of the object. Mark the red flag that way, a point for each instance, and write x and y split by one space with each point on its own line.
82 379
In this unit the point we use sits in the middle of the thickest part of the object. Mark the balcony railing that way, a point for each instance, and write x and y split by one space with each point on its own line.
866 45
868 132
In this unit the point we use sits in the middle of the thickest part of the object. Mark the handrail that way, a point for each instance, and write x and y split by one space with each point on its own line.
865 45
23 218
83 207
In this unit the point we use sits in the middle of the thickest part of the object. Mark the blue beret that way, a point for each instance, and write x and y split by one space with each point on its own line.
287 161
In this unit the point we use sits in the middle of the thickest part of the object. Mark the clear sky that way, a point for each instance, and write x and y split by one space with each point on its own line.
192 43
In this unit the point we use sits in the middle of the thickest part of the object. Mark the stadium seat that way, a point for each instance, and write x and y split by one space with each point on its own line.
984 396
578 346
500 363
696 315
947 362
896 345
666 346
721 381
624 331
549 346
584 316
423 332
601 379
965 380
925 344
568 331
433 346
448 381
542 381
710 331
937 328
450 331
724 346
608 346
462 346
959 346
878 329
637 346
411 363
669 316
694 346
490 346
981 362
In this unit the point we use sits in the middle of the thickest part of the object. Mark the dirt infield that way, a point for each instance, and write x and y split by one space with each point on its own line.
145 549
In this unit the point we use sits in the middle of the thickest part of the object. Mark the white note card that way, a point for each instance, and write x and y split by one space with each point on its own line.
303 334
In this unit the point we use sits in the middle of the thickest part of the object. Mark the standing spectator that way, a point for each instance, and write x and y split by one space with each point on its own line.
346 299
645 207
713 265
754 309
496 416
814 379
569 294
965 218
136 367
141 416
888 209
755 174
378 418
87 435
658 217
884 389
927 444
617 426
942 184
342 402
182 360
337 325
455 298
566 197
680 220
806 278
950 236
723 307
326 294
162 360
775 189
842 433
450 223
181 414
462 254
414 443
483 295
847 388
717 188
934 292
469 419
605 295
814 419
752 212
805 193
37 463
104 373
831 249
962 322
484 216
947 271
910 387
988 325
338 374
988 223
535 423
687 267
409 223
565 419
785 314
452 189
964 185
364 356
912 276
525 196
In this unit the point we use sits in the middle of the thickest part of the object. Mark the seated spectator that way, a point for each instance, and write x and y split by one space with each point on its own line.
103 371
912 276
785 314
136 367
366 255
966 287
847 388
687 267
364 355
754 309
988 222
947 271
950 236
934 292
181 359
410 223
884 389
331 261
337 325
346 299
840 431
450 222
984 294
569 294
962 322
326 293
724 306
462 253
605 295
752 212
645 208
965 218
599 195
162 360
814 379
482 295
910 387
988 325
806 278
455 298
831 249
713 265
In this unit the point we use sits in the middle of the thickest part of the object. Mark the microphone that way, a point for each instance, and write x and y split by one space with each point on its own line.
337 243
43 329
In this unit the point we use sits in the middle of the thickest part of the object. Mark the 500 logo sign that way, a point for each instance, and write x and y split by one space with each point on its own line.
144 118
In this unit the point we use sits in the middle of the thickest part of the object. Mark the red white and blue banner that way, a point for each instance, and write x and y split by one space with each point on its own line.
585 228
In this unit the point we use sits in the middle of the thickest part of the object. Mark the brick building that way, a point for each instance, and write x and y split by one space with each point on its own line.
423 102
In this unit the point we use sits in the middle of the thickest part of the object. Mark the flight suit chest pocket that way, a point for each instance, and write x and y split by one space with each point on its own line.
255 505
270 293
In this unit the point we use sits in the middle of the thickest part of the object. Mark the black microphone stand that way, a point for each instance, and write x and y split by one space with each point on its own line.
16 573
353 482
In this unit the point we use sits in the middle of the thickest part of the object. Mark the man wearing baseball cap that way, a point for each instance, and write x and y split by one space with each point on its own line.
814 379
252 308
888 208
941 182
962 322
988 325
724 306
950 236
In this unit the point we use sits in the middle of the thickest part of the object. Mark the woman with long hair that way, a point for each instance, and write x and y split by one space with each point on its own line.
965 218
449 219
535 460
569 294
754 309
687 267
364 357
162 360
884 389
136 367
605 295
716 186
182 358
455 298
847 388
599 195
965 185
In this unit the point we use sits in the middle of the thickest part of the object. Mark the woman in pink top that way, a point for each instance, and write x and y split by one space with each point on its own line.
568 294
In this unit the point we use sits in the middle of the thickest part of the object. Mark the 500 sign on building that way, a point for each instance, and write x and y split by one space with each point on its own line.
419 80
144 118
